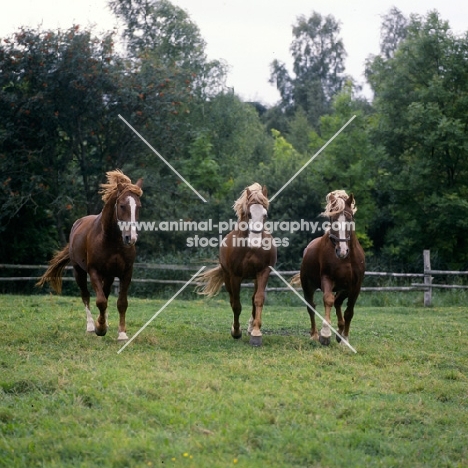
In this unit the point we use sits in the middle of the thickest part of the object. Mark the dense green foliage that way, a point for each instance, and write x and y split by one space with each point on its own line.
404 156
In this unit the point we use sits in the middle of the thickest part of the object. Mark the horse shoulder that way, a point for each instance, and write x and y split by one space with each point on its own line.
312 246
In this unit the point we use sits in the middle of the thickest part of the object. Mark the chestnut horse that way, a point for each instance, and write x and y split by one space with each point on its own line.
247 252
334 263
103 247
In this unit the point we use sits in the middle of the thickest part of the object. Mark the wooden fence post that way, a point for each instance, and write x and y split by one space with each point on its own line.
427 278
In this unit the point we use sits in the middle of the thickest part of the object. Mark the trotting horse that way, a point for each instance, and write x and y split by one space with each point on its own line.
102 246
334 263
247 252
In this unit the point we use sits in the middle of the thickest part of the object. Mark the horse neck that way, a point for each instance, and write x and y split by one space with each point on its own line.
242 232
108 218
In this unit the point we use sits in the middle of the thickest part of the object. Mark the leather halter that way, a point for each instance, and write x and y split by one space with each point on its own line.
337 239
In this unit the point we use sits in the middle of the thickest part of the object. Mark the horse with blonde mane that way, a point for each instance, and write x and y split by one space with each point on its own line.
334 263
103 247
247 252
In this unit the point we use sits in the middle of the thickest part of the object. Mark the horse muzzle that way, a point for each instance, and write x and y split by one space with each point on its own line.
341 246
129 239
341 253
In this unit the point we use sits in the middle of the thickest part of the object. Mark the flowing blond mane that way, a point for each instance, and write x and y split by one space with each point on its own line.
336 202
251 194
117 181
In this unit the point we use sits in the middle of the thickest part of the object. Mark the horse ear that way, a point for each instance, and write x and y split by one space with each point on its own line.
350 200
265 191
139 182
248 193
120 187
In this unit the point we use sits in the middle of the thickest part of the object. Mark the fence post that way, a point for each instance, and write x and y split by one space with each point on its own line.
427 278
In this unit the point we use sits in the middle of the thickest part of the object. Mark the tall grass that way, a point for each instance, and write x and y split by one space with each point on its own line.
184 393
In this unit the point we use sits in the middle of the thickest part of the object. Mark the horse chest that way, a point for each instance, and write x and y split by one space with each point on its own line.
343 277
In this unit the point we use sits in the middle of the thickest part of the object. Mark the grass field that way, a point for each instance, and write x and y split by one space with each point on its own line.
184 393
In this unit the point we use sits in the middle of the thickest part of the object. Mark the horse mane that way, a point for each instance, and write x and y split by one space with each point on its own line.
336 203
117 182
251 194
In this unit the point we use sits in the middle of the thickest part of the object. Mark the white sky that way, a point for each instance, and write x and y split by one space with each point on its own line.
247 34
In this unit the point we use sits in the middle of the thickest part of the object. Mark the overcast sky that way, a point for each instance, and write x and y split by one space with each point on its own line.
247 34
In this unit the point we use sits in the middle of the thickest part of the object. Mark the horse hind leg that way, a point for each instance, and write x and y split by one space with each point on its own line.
101 303
82 282
340 297
348 316
309 297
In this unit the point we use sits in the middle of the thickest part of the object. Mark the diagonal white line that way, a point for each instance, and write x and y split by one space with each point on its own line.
162 159
315 312
312 158
161 309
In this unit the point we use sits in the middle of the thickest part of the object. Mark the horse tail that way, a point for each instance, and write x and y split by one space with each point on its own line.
53 274
295 280
211 281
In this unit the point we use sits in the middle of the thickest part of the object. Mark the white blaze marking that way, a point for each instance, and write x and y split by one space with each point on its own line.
342 232
133 230
257 213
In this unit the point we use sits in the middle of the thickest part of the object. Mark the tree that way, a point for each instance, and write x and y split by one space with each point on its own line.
159 32
318 66
420 97
55 89
393 30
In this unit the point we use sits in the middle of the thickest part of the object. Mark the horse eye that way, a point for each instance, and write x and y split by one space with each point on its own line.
250 215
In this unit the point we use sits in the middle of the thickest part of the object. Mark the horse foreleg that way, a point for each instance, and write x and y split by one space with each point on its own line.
122 305
328 302
233 285
252 315
81 278
101 303
340 297
259 300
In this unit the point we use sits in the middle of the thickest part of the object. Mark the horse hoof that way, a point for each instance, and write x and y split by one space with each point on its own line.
236 334
100 332
324 341
122 336
344 341
338 339
255 340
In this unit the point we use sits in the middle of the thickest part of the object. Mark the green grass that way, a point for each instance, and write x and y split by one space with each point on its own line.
184 393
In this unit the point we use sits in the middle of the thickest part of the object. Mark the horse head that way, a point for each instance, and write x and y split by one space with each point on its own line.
127 209
257 203
341 223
